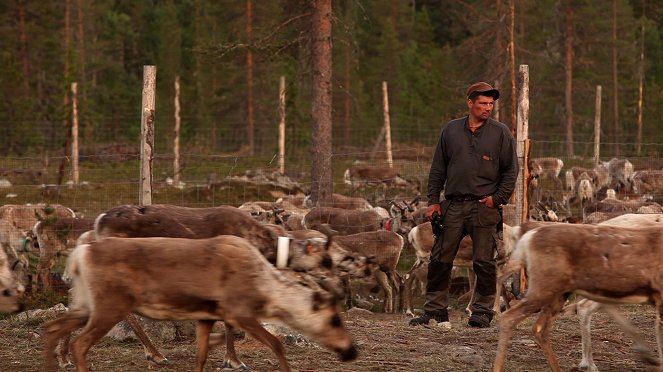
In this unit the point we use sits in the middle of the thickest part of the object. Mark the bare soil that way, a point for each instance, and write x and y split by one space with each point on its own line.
385 342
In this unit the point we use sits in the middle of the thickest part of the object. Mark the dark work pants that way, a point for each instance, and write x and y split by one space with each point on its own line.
463 218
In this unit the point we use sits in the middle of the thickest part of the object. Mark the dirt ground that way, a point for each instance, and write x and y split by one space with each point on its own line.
385 343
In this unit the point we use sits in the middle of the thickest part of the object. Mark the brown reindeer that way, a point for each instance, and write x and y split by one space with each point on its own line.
54 238
589 260
199 223
223 278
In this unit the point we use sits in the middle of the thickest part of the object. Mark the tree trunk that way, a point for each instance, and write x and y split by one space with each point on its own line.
67 42
641 79
568 76
23 47
498 57
249 81
347 101
66 127
321 68
512 63
615 88
81 46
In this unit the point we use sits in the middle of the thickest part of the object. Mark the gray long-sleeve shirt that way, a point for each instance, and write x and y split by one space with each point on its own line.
474 164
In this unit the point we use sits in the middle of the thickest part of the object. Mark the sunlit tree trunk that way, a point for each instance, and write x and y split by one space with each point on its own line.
321 102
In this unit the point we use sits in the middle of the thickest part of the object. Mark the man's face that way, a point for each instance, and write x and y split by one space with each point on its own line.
481 108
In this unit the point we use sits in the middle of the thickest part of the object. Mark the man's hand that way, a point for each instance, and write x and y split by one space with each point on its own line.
488 201
434 208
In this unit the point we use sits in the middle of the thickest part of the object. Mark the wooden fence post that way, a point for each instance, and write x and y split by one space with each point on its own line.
387 124
176 141
282 125
147 134
597 126
522 123
522 142
74 133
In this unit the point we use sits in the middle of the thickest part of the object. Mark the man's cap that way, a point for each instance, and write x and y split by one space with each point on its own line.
482 88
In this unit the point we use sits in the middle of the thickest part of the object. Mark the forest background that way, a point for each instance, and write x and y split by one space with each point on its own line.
230 55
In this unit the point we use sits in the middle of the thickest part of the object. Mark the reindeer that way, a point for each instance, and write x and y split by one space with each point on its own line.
16 222
223 278
600 176
386 248
586 265
541 168
346 222
199 223
11 288
621 173
360 176
57 237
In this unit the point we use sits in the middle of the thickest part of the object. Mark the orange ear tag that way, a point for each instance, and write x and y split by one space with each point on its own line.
309 249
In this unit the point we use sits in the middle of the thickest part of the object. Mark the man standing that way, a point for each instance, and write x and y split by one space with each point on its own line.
475 163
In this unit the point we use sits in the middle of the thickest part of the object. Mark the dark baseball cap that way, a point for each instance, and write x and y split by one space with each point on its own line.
483 89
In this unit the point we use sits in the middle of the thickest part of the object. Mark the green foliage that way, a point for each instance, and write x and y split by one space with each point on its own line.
428 51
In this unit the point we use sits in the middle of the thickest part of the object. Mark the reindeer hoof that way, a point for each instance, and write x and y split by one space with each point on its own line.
68 365
158 360
228 366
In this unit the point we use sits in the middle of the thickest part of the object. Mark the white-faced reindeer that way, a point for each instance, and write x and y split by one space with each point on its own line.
222 278
589 261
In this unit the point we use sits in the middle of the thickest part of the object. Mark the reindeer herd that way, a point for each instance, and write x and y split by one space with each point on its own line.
168 262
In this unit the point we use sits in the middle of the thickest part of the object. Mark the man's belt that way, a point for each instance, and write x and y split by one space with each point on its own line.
465 198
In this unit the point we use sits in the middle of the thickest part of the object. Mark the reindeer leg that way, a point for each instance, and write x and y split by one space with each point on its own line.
639 345
253 327
56 330
586 309
542 329
46 258
382 279
151 353
397 282
348 292
407 293
659 329
96 328
63 354
230 360
472 277
508 323
203 329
